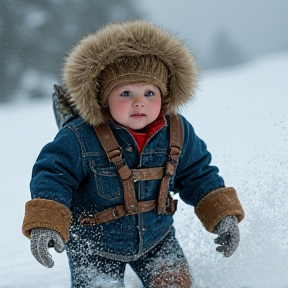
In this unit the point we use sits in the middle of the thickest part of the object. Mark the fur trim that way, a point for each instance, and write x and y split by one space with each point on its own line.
84 64
46 214
217 204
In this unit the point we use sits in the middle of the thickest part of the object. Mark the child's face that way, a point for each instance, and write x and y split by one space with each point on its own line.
135 105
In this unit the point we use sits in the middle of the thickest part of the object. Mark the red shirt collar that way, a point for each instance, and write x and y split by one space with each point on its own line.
141 137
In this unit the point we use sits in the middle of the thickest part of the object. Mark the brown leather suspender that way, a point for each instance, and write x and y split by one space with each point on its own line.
165 204
175 146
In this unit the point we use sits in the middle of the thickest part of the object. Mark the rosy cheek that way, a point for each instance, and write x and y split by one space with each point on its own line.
156 106
121 106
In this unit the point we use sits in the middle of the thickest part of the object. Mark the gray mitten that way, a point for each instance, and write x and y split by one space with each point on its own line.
229 235
41 240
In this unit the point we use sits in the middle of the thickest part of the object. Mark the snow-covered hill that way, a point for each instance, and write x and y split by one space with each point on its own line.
242 115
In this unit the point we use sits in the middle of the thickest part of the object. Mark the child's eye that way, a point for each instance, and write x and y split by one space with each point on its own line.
126 94
149 93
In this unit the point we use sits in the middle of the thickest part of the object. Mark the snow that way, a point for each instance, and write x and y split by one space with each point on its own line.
241 113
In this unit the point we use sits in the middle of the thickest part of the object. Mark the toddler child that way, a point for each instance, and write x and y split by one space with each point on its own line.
102 188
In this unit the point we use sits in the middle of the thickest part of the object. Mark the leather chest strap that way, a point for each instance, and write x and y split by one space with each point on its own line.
113 151
165 204
115 213
175 146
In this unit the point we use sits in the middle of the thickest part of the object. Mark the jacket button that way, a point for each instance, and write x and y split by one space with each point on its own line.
129 149
143 229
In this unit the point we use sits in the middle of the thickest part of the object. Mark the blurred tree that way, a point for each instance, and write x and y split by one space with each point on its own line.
224 51
36 35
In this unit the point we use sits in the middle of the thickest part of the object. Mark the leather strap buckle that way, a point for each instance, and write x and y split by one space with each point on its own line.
115 213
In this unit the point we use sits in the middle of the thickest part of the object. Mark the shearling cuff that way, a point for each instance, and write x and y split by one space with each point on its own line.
48 214
217 204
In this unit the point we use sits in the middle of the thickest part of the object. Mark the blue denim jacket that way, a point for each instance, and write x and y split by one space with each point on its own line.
75 171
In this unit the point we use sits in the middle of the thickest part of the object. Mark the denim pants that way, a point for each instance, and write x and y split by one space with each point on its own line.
163 266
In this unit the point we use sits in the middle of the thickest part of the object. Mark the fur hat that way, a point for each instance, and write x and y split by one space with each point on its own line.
135 51
144 68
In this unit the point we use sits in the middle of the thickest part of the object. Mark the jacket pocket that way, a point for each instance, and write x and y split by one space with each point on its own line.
107 181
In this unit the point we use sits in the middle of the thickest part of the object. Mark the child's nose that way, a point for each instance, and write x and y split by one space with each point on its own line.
138 102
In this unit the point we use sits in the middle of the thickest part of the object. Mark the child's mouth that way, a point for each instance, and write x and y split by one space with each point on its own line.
138 115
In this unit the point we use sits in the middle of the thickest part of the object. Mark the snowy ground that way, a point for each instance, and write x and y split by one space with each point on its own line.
242 113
